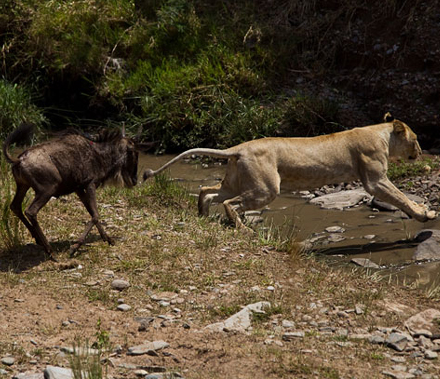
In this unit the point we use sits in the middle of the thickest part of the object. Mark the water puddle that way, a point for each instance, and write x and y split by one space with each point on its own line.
381 237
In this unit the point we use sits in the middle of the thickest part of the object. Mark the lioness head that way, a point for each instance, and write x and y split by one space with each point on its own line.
403 142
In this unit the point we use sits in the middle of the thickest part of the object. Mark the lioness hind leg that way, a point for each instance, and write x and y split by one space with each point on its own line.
386 191
250 200
208 195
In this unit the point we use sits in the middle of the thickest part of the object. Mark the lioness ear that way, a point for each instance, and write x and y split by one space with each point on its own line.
398 126
388 117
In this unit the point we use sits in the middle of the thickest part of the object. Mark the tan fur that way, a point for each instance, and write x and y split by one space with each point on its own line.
257 169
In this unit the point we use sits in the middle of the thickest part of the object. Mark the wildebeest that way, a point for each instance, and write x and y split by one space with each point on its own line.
69 163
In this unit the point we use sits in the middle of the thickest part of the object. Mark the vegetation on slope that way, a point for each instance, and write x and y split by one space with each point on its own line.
187 73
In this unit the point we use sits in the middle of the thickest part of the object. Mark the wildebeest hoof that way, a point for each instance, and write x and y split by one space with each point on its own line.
73 249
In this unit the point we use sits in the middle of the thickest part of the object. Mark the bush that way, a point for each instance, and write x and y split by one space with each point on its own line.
17 107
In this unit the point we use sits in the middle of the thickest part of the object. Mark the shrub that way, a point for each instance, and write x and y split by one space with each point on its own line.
16 107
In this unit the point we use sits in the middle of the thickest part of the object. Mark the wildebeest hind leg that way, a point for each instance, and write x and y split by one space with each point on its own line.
16 207
40 200
88 198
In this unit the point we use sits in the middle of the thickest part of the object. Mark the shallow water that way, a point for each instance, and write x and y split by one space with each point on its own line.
378 236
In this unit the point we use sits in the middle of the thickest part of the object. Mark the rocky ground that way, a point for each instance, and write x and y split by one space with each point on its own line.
181 297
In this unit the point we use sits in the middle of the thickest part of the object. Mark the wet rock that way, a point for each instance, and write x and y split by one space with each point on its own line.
342 199
334 237
364 262
53 372
335 229
240 321
148 348
429 246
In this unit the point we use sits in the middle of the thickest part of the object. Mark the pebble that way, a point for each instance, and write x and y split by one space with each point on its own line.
119 284
335 229
148 348
123 307
293 335
8 361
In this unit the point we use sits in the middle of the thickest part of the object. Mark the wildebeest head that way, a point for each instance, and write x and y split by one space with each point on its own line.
122 156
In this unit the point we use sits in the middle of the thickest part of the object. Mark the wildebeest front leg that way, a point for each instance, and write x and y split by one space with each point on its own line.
88 198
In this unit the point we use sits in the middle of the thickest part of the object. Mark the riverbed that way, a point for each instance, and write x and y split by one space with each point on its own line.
382 237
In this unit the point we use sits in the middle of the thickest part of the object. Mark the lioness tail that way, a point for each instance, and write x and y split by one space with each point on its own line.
201 151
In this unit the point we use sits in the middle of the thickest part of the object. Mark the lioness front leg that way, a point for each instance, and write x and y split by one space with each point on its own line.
386 191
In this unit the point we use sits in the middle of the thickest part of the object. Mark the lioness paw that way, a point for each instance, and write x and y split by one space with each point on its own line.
431 215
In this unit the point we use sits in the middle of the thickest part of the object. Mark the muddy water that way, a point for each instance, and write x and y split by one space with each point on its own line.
378 236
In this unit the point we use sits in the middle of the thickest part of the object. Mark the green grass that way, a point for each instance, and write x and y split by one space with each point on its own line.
402 169
17 107
10 226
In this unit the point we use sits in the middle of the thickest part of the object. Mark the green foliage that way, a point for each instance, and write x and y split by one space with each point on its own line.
189 73
77 35
402 169
310 116
16 107
166 191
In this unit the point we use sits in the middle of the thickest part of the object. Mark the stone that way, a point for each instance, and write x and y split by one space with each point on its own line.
342 199
398 374
429 354
293 335
425 320
26 375
429 245
8 361
123 307
241 321
287 324
335 229
82 351
397 341
365 262
119 284
148 348
53 372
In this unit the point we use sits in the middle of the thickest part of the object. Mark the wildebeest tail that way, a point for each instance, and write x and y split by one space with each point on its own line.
19 136
201 151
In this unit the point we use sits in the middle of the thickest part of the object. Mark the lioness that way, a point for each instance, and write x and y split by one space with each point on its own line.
257 169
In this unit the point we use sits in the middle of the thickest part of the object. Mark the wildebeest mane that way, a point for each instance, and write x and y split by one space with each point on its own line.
103 135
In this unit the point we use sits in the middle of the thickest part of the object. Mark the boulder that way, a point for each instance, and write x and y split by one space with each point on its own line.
421 322
429 245
342 199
